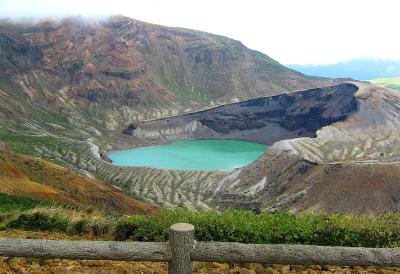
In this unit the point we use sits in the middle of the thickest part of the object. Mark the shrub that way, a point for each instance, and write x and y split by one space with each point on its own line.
102 226
38 221
78 227
267 228
229 226
126 228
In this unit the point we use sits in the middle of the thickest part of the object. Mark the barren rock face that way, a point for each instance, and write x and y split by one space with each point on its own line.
351 166
263 120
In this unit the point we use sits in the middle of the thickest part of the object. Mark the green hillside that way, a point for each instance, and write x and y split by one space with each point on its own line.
393 83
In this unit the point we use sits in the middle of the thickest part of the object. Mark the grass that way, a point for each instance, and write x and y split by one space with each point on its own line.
203 97
44 116
39 221
12 206
268 228
27 143
60 218
393 83
40 215
10 203
229 226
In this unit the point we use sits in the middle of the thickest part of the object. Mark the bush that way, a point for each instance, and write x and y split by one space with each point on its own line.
267 228
78 227
229 226
39 221
103 226
126 227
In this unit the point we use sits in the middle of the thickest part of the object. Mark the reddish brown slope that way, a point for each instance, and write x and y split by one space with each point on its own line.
40 179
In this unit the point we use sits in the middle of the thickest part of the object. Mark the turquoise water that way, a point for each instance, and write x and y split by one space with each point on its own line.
191 155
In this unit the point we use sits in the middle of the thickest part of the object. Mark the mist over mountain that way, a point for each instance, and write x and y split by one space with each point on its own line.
361 69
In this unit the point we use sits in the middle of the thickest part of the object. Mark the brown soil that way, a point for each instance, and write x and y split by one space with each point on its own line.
37 178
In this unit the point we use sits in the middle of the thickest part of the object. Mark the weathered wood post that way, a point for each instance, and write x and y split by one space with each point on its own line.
181 240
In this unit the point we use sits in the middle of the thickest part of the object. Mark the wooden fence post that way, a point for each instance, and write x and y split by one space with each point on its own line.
181 240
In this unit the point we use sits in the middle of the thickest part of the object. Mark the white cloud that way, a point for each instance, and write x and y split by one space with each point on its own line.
290 31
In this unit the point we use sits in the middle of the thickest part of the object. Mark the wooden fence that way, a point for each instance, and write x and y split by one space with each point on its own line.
182 249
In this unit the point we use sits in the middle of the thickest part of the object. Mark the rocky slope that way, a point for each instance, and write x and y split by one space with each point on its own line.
30 176
263 120
87 79
349 165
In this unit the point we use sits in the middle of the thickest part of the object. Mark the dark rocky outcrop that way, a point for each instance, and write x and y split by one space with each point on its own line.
18 56
126 75
309 110
129 130
350 167
264 120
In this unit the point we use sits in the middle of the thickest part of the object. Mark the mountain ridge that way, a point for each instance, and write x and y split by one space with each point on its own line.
89 79
359 68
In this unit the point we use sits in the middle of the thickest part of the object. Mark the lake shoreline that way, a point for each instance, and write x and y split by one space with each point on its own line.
207 155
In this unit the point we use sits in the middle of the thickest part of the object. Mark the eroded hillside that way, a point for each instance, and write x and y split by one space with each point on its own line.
351 166
31 176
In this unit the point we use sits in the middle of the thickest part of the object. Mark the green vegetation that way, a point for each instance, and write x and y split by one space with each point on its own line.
60 218
13 206
217 38
268 228
203 97
9 203
39 221
393 83
28 143
231 226
44 116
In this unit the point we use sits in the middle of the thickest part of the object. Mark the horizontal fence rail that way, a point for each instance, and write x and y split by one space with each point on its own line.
182 249
85 250
295 254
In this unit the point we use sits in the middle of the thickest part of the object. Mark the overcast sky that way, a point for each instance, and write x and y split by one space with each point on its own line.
290 31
